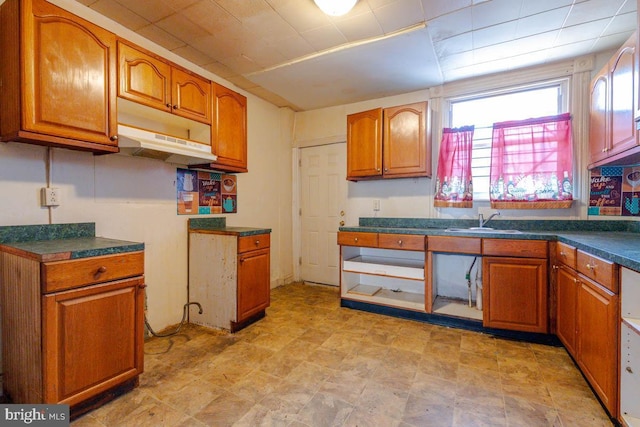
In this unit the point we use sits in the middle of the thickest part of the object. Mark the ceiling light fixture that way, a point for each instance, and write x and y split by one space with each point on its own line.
335 7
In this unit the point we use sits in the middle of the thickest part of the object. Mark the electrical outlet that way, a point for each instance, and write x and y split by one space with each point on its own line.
376 204
50 196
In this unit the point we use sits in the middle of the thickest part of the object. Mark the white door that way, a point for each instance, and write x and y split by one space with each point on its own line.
323 195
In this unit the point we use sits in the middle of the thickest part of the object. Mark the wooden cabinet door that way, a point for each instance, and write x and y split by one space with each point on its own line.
598 122
364 144
597 340
229 129
143 78
190 96
405 148
92 339
254 283
567 295
515 294
623 80
69 73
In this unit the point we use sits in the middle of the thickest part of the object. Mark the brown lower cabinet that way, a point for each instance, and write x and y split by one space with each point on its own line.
588 318
75 340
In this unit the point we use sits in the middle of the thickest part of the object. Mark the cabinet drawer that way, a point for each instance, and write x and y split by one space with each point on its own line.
355 238
68 274
516 248
467 245
410 242
251 243
599 270
566 254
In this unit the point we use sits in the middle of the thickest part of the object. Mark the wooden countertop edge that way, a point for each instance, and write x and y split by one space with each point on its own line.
58 256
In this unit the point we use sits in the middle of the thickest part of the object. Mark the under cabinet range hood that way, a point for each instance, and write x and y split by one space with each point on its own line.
138 142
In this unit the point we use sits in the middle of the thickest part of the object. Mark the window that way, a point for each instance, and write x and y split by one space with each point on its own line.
483 110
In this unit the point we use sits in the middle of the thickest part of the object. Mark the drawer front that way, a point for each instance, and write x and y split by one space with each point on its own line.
409 242
515 248
355 238
251 243
69 274
467 245
566 254
599 270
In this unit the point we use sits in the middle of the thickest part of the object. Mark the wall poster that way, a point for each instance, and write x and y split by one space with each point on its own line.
201 193
615 190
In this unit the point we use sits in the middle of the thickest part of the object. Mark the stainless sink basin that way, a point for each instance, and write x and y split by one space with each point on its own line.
487 230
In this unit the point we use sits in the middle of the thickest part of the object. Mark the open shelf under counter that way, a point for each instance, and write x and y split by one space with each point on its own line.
633 323
385 266
390 297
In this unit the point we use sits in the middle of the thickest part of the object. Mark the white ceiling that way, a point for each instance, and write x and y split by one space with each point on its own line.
291 54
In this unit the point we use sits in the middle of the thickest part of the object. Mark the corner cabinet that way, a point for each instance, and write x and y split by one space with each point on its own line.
229 129
612 129
72 329
52 95
229 275
389 143
152 81
383 269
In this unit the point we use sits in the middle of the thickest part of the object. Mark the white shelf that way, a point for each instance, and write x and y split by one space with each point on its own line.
383 266
634 324
402 299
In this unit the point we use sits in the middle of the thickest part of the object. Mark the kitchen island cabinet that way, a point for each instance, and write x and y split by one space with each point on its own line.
59 78
393 142
229 274
72 328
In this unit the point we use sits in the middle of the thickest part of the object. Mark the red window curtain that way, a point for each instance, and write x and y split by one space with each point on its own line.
532 163
453 180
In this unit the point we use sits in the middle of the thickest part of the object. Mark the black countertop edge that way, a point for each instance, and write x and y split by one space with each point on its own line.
24 233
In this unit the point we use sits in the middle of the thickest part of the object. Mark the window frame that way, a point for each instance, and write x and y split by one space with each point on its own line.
564 102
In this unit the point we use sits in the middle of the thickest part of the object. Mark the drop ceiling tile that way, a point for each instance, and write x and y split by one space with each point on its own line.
180 5
578 33
208 15
452 45
114 10
191 54
302 16
374 4
324 37
495 12
527 60
436 8
450 25
241 64
542 22
399 14
454 61
294 47
160 37
361 26
245 9
538 6
219 70
495 34
182 28
571 50
613 41
269 26
218 47
622 23
521 46
150 10
593 10
628 7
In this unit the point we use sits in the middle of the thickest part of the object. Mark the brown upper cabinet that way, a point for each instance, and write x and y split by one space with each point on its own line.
152 81
612 130
58 76
229 129
389 143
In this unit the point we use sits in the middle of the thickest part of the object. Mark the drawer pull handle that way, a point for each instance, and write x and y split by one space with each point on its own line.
628 369
563 254
399 242
99 272
355 239
591 266
257 242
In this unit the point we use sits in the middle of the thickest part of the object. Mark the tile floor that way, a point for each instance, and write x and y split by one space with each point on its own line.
312 363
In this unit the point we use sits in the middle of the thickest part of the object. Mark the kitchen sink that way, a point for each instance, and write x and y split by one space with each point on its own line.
487 230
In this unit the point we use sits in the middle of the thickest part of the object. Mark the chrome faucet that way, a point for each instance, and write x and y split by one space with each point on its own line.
482 222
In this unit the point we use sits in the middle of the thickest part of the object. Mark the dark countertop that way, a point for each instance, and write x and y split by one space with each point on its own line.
615 241
218 226
61 241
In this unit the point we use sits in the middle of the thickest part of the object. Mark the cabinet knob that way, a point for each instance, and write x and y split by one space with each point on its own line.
386 169
142 286
377 169
257 242
168 105
591 266
175 106
114 137
555 267
575 280
355 239
399 242
563 254
99 272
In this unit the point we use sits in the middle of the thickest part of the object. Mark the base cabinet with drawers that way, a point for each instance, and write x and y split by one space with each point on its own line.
229 275
588 316
72 329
